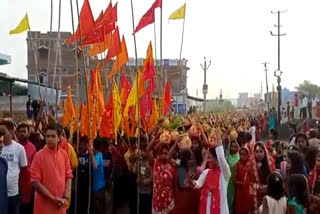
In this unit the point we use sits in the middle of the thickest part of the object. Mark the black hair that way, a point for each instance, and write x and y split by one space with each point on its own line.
297 162
84 139
274 133
293 126
22 125
298 189
241 138
133 140
162 146
275 186
213 153
248 137
313 134
185 155
105 141
264 170
311 157
56 127
97 143
67 132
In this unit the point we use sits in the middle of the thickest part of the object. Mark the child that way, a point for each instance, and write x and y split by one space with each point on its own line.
232 158
213 181
298 194
275 201
144 180
242 196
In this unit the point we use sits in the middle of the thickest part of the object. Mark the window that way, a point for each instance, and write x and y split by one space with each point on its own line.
43 76
41 79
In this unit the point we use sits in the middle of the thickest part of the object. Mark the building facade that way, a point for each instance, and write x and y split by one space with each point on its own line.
62 57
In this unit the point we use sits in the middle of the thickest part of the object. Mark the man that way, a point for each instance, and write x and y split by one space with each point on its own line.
304 106
29 112
16 158
315 101
3 182
35 107
51 175
25 177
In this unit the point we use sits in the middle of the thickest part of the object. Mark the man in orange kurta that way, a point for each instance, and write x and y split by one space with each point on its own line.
51 175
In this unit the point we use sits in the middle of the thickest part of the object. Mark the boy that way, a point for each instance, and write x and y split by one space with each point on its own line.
51 175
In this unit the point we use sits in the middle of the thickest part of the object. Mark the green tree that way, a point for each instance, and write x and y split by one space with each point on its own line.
308 88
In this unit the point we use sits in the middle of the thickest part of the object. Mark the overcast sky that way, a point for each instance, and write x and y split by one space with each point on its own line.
234 34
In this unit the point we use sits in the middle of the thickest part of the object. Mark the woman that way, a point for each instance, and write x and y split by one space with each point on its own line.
232 158
314 187
272 119
261 166
293 133
242 197
163 185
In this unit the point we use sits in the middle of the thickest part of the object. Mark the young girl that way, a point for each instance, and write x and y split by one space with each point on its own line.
243 198
293 165
163 185
275 201
261 167
213 181
298 194
232 158
302 143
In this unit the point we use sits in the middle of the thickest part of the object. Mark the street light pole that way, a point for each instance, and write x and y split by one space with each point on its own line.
205 86
278 72
267 86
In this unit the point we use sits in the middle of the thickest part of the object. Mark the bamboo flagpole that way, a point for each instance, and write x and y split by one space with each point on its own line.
182 39
88 106
138 103
57 47
49 48
78 106
36 63
161 65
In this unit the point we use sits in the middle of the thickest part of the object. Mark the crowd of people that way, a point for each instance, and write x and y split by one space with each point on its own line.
204 163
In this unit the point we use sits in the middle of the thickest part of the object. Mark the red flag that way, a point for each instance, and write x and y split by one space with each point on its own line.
86 23
92 82
99 19
110 15
98 34
166 99
148 68
148 17
115 48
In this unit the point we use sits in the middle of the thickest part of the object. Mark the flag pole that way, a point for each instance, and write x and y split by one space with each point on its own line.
155 52
138 103
161 65
58 44
78 106
49 48
182 38
88 106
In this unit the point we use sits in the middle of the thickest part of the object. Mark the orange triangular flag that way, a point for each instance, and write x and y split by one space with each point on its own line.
121 60
101 47
68 112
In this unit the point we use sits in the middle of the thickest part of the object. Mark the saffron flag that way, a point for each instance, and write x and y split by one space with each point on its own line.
22 26
101 47
148 17
84 122
68 112
153 115
87 23
106 128
115 47
180 13
99 19
121 60
166 99
98 34
125 88
110 15
116 108
148 68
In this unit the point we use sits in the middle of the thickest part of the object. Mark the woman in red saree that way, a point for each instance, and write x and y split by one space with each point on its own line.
163 181
243 199
261 165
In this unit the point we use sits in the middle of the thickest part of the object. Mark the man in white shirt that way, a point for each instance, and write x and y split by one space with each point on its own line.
315 101
304 105
252 131
16 158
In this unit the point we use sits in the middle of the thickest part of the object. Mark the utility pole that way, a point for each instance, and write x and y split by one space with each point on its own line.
268 97
205 86
278 72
